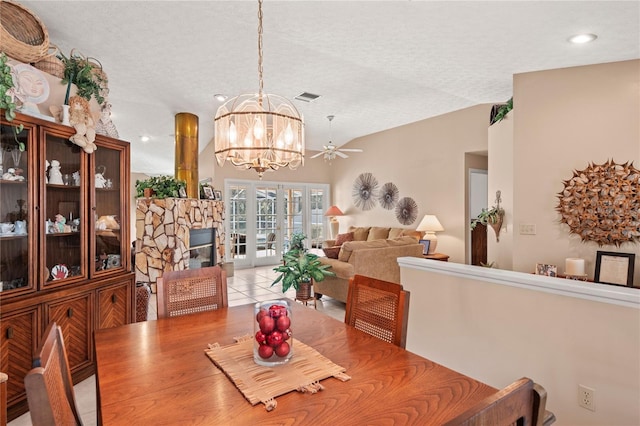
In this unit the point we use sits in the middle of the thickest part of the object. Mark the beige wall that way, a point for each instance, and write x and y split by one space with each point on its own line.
500 178
426 161
498 333
566 119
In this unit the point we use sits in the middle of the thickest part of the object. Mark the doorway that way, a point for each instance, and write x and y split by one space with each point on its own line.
261 218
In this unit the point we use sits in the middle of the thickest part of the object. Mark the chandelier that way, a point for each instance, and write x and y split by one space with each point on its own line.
259 131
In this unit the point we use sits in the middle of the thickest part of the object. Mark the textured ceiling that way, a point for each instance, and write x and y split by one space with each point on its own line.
376 64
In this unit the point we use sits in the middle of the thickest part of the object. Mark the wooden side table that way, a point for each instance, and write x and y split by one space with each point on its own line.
437 256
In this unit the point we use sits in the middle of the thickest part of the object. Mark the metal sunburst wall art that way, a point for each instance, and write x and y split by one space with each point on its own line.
602 203
406 211
365 190
389 195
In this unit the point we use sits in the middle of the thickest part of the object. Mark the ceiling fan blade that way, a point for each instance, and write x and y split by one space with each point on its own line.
317 155
351 149
340 154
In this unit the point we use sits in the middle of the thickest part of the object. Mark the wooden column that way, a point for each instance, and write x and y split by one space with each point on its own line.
186 163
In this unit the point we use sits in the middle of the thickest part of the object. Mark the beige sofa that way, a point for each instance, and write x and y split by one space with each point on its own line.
376 258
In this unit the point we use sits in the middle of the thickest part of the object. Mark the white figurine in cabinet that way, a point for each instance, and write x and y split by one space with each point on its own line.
55 175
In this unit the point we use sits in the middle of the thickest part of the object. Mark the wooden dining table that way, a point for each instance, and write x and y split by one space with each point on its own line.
157 373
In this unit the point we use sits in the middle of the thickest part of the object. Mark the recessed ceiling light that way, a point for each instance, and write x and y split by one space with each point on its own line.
582 38
220 97
144 138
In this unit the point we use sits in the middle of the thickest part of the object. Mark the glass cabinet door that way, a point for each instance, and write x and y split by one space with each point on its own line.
16 271
65 245
108 208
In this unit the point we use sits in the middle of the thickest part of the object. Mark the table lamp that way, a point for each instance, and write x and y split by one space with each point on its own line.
430 225
334 211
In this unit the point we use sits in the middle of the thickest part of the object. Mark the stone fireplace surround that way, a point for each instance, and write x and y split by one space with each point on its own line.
162 233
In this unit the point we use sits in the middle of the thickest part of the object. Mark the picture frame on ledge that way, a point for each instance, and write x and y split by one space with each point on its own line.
547 270
208 193
217 194
425 245
614 268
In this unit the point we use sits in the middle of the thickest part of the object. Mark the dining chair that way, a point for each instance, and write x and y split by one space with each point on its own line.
379 308
3 398
521 403
191 290
48 384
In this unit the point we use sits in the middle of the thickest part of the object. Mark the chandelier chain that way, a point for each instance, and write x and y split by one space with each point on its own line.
260 47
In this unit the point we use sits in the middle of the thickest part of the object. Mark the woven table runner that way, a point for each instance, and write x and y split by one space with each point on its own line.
257 383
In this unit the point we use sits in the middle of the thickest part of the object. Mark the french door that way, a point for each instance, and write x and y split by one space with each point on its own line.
261 218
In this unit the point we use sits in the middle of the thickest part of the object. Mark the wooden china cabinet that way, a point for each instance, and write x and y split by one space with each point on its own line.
74 270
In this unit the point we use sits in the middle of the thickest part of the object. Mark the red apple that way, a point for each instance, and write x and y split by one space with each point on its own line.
261 338
267 324
283 349
265 351
283 323
277 311
274 339
286 335
262 313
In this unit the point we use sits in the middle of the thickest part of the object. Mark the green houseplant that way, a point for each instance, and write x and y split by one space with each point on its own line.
300 268
79 71
161 186
492 217
7 96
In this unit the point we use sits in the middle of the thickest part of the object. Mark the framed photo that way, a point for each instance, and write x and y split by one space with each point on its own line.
548 270
208 192
183 192
425 245
614 268
218 195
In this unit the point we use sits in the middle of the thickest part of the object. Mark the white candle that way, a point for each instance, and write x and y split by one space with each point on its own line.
574 266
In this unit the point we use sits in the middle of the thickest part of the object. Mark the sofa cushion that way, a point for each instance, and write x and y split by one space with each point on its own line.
331 252
378 233
416 235
401 241
343 238
351 246
360 233
395 233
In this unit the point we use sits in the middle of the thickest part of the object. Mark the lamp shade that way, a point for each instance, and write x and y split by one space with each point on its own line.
334 211
430 223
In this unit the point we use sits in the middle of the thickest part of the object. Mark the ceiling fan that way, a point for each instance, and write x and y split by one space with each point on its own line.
330 151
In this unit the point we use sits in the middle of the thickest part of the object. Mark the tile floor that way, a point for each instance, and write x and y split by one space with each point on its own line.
246 286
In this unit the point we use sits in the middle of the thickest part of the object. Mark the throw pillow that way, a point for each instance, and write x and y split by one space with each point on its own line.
378 233
343 238
331 252
360 233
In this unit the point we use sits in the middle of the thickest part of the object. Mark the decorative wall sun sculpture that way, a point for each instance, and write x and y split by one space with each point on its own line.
365 190
602 203
406 211
388 195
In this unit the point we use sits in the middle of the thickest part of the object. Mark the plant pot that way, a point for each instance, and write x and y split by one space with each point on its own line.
304 291
148 192
497 225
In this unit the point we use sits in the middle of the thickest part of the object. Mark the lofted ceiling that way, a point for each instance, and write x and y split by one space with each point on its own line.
375 64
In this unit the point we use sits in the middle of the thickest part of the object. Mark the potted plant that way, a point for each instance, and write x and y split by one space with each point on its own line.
493 217
297 245
159 187
7 96
298 270
84 74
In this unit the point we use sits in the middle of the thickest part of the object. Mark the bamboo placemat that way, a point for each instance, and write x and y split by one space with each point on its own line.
257 383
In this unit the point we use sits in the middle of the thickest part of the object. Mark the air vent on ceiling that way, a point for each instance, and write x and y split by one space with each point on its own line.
307 97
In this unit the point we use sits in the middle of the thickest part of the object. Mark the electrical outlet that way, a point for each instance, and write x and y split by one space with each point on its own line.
587 397
527 229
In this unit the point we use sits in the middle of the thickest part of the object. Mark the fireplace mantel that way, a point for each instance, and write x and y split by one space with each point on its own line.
162 233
